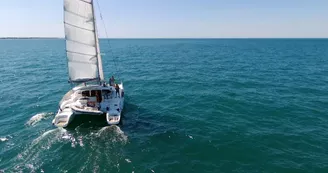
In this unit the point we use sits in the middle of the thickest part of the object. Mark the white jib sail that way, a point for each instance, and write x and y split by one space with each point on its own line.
81 41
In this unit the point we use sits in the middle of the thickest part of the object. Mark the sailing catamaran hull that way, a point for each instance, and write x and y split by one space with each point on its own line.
63 118
114 117
93 96
74 103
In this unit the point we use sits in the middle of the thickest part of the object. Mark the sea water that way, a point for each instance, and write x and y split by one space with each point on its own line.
191 105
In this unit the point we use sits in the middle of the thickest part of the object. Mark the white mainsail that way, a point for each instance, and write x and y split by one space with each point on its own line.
82 47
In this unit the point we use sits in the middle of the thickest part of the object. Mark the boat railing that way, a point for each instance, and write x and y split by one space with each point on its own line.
67 96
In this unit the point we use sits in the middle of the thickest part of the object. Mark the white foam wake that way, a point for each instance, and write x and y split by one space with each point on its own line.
38 139
29 160
37 118
4 139
116 131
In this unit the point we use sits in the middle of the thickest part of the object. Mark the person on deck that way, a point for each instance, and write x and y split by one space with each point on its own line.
112 81
117 88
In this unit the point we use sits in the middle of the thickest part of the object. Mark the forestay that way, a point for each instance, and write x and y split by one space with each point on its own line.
83 55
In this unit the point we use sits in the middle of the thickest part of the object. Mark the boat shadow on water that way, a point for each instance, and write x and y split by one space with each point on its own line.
90 121
133 118
86 121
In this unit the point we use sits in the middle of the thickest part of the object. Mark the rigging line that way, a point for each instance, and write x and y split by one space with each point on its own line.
107 39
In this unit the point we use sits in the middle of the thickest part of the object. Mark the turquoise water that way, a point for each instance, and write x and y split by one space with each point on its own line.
192 105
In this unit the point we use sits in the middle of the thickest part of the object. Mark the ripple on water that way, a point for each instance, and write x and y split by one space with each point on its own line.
195 106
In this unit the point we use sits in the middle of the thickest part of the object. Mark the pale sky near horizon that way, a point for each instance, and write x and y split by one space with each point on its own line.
175 18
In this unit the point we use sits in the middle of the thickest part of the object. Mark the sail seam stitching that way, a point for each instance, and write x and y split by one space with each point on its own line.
80 53
85 1
79 27
80 43
82 62
84 17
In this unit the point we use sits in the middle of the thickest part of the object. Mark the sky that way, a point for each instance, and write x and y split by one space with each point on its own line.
175 18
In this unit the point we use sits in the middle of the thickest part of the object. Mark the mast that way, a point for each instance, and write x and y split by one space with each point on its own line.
99 61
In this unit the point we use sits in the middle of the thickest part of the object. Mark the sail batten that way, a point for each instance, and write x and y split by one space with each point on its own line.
82 49
79 27
80 43
80 53
76 14
89 2
80 62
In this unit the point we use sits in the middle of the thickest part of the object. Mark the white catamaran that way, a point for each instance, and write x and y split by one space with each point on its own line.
90 94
